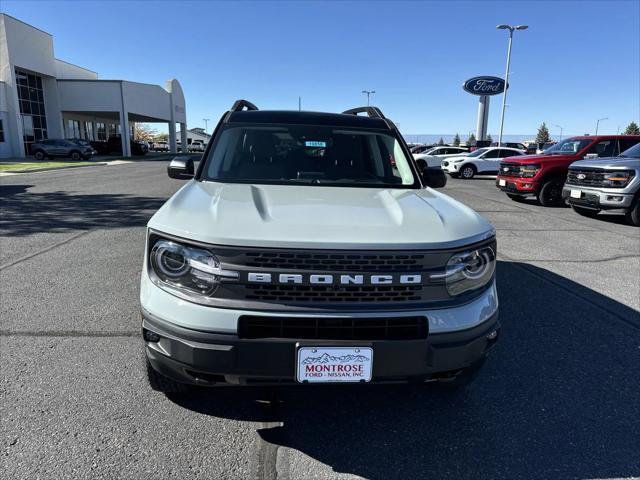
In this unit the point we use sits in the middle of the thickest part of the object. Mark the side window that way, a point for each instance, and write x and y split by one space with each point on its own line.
605 148
492 154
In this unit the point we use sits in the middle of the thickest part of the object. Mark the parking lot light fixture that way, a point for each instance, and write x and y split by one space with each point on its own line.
560 132
511 29
598 123
205 120
368 93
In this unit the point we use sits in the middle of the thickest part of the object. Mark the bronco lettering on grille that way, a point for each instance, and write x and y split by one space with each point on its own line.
327 279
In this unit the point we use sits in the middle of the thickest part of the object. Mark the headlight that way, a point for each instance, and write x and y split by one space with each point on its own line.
529 171
469 270
185 269
617 179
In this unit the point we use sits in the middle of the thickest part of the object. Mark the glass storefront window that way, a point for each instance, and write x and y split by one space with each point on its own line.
31 101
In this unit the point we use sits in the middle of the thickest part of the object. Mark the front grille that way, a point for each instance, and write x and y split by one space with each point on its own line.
324 293
384 328
512 169
334 262
592 178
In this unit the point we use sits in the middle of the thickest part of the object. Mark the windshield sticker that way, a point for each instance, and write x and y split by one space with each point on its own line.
310 143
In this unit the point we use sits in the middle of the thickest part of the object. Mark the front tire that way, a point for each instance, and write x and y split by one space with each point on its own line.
585 212
467 172
551 193
39 155
633 215
160 383
75 156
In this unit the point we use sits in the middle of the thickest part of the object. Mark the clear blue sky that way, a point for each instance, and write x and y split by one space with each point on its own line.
579 61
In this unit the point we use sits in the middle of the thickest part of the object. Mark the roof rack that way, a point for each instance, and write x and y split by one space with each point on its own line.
239 105
373 112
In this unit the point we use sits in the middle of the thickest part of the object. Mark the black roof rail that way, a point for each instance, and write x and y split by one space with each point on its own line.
373 112
238 105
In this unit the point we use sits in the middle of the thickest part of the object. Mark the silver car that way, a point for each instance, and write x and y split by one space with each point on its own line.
61 148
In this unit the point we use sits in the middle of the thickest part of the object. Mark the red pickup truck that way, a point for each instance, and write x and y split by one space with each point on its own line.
544 175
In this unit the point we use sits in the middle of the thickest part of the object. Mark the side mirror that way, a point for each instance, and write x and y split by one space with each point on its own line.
433 177
181 168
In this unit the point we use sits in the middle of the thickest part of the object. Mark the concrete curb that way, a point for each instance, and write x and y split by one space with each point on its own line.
33 170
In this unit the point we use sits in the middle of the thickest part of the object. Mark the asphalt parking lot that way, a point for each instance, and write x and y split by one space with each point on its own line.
559 397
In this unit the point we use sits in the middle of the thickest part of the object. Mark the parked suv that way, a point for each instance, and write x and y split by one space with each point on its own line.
196 146
544 175
484 161
60 148
311 248
611 184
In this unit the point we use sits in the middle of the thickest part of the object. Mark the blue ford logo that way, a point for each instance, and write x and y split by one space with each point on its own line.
484 85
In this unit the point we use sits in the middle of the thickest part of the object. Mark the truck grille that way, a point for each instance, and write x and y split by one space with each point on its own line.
334 261
323 293
385 328
592 178
510 169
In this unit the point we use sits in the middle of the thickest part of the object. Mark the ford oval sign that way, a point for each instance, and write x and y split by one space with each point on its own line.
484 85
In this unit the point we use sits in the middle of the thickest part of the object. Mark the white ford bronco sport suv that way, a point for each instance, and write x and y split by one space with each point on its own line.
311 247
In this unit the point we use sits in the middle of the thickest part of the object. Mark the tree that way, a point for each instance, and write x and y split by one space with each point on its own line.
441 141
632 129
143 131
489 139
543 134
161 137
456 140
471 140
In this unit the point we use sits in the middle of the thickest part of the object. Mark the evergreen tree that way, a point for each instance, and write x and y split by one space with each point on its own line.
632 129
543 134
456 140
440 142
471 140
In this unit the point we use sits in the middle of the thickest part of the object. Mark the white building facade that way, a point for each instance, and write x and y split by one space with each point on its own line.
43 97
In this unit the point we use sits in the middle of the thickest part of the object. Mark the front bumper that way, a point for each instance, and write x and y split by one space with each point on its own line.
517 185
598 199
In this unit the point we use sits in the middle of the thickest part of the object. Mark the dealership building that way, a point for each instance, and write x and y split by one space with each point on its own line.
43 97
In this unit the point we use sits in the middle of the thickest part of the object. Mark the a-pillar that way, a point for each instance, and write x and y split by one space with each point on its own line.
183 137
124 134
172 137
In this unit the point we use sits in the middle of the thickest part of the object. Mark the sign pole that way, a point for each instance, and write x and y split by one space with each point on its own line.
483 116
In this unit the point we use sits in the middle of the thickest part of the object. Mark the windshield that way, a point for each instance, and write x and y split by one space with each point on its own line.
478 152
306 154
568 146
633 152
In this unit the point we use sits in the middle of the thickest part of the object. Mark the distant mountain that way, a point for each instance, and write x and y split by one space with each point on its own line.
326 358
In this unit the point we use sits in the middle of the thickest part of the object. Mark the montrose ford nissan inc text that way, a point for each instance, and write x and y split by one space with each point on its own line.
311 247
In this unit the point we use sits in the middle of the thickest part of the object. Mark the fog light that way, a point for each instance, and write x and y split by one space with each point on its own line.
493 335
150 336
614 198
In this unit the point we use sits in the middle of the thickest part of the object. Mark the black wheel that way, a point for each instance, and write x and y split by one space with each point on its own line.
75 155
551 193
516 198
464 378
163 384
39 155
467 172
585 212
633 215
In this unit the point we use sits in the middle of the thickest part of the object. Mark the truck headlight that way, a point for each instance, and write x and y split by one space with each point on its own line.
469 270
529 171
617 179
184 268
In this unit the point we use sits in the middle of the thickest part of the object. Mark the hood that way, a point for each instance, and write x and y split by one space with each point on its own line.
541 157
609 163
318 217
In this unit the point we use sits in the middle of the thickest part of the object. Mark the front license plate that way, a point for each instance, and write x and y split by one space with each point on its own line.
503 183
576 193
334 364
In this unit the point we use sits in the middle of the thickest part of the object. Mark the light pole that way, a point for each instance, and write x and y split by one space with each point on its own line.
560 132
205 120
506 76
368 93
598 123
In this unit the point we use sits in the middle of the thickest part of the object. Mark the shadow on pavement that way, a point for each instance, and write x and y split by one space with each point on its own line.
558 398
23 213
